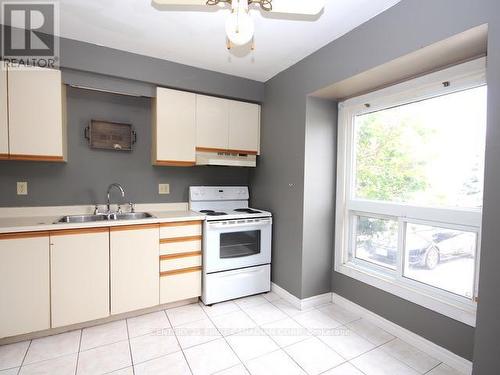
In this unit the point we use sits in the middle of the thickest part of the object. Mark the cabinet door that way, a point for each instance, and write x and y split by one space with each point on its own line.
244 126
36 125
174 128
4 124
212 122
79 275
24 283
134 252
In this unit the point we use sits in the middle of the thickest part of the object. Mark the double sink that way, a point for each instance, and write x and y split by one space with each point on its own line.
104 217
108 215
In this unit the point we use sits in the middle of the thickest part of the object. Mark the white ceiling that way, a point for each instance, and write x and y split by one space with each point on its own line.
197 38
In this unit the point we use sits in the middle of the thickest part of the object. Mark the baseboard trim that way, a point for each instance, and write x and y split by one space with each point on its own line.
451 359
290 298
301 304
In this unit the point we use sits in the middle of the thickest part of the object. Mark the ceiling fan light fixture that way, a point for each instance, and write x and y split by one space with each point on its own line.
239 27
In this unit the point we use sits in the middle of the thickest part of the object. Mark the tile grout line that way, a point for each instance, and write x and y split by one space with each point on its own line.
178 342
408 365
78 354
228 344
280 348
379 346
24 357
316 337
439 364
130 348
383 344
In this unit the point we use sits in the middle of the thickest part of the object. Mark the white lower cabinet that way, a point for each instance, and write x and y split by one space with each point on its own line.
134 251
181 285
24 283
79 275
180 261
70 276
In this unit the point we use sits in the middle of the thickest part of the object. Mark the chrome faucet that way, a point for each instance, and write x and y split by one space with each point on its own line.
119 187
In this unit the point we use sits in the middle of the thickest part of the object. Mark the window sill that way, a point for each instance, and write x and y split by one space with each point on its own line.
457 311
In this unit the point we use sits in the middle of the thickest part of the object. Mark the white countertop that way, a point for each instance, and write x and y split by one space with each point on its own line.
19 223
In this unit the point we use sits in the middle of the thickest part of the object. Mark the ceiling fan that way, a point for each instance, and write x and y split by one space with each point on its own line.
239 23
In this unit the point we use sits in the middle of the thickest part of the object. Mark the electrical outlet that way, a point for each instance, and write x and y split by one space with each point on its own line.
163 189
22 188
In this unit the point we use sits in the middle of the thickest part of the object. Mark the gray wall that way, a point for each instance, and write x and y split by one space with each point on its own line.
86 176
406 27
319 195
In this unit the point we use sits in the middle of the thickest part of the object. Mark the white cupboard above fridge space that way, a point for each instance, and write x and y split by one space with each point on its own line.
32 114
191 129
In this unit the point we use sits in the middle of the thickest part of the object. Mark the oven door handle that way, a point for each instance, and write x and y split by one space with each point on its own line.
239 225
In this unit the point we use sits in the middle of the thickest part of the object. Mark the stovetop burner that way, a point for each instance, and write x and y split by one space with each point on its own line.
247 210
213 213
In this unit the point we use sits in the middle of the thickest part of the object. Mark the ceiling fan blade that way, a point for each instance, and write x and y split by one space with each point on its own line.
180 2
308 7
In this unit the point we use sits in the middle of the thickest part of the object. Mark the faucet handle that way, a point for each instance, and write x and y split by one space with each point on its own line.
132 207
96 209
119 209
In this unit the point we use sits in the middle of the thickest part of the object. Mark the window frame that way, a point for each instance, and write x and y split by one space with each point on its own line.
464 76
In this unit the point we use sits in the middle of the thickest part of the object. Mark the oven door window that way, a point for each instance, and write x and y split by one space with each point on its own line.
239 244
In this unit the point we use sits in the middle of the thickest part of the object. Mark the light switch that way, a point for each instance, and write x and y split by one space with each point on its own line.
163 189
22 188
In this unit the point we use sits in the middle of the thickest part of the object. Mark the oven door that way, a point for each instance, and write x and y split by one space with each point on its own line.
235 244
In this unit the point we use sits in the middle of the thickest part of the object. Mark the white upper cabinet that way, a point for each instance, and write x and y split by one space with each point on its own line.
212 122
4 120
184 123
174 128
244 126
37 124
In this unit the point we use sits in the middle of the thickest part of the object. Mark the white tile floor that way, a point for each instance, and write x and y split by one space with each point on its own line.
258 335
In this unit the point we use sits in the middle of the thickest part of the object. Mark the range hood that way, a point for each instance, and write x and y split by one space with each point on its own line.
225 158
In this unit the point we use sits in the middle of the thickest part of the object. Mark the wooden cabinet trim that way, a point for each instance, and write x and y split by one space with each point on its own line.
183 270
180 239
68 232
180 255
4 156
17 235
49 158
119 228
181 223
174 163
209 149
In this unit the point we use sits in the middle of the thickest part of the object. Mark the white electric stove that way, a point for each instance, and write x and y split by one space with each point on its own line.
236 243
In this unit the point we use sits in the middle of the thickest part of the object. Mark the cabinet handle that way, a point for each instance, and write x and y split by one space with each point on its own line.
183 270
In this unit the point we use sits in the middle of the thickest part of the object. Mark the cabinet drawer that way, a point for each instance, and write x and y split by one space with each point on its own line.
183 229
180 263
180 247
180 286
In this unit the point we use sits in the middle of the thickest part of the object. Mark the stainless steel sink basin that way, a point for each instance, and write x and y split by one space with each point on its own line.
131 216
81 218
104 217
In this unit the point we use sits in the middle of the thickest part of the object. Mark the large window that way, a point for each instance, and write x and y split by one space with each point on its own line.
410 188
